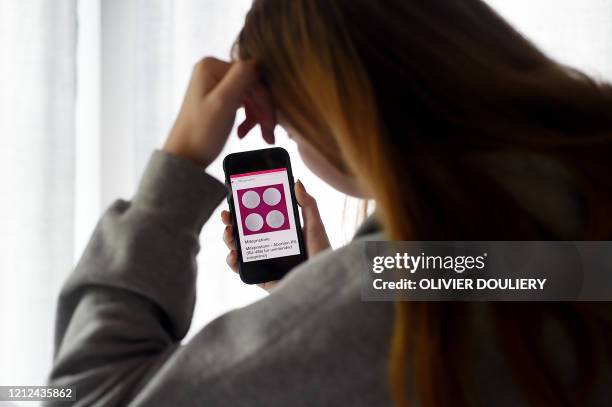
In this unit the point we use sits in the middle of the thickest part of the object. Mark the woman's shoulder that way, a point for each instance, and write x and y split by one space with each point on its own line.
333 270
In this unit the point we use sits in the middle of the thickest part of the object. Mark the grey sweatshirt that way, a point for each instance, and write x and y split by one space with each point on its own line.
312 342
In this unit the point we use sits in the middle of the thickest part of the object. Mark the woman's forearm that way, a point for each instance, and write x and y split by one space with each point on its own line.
130 299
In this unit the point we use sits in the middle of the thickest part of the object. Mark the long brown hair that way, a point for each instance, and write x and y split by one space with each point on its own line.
405 95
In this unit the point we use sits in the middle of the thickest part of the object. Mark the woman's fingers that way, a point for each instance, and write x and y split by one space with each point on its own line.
226 218
228 232
206 75
264 110
259 109
216 90
250 120
314 230
228 238
235 84
232 260
305 200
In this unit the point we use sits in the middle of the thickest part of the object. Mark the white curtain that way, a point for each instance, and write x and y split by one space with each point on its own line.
37 108
576 33
89 87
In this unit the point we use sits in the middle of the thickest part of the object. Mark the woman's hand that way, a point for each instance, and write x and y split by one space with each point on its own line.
314 231
217 89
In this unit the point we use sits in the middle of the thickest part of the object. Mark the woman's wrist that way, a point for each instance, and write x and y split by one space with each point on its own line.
178 145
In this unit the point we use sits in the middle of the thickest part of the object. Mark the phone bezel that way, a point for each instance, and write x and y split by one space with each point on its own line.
261 271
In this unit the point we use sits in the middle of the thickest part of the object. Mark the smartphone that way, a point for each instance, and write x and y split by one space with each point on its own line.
264 213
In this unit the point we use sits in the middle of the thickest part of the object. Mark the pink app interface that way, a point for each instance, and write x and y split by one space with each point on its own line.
264 214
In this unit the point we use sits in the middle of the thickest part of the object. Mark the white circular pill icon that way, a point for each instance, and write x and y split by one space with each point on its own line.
272 196
275 219
254 222
250 199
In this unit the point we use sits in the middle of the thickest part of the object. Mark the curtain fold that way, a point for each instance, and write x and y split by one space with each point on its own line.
37 85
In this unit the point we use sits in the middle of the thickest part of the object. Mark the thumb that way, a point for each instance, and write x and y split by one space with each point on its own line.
314 230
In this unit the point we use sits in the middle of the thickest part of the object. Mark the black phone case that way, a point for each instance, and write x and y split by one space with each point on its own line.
262 271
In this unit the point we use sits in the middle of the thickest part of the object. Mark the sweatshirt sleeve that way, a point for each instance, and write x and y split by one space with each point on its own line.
130 299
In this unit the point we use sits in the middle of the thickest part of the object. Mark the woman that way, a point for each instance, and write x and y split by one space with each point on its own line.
456 126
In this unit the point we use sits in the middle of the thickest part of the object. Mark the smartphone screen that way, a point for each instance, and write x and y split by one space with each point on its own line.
264 214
